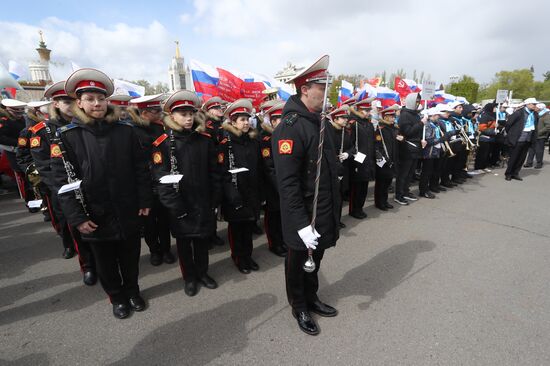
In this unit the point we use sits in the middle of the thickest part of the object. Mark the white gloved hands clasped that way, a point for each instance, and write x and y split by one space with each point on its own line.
309 236
343 156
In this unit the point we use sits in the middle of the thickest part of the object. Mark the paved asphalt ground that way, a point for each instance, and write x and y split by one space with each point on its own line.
459 280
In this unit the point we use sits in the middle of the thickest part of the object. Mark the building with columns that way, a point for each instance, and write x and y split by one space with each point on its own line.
180 75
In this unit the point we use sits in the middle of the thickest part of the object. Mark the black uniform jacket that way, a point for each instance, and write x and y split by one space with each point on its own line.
515 125
116 181
241 191
294 145
362 131
269 179
191 202
10 129
410 126
41 154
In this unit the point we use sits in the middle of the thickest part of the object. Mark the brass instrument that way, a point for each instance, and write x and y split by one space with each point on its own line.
446 146
33 176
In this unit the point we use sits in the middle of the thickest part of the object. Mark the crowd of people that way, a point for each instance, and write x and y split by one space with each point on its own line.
111 169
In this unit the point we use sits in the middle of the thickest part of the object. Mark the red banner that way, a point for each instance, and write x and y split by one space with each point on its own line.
229 86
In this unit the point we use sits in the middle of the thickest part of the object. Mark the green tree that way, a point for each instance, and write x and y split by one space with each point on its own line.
520 81
546 76
465 87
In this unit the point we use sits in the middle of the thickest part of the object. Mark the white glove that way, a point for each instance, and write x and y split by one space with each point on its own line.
309 236
343 156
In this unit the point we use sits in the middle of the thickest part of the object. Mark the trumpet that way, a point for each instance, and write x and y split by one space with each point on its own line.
446 146
33 176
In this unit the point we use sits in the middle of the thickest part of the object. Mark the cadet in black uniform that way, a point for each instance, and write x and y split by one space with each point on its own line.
361 171
186 149
387 156
272 217
106 157
45 150
295 145
239 161
147 118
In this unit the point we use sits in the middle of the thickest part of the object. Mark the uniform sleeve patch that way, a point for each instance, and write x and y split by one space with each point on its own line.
266 152
35 141
55 151
22 142
285 147
221 158
157 157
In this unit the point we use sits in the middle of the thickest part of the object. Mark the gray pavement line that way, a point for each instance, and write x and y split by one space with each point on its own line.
12 212
477 218
266 320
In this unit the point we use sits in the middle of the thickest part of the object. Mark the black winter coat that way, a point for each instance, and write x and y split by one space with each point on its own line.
391 152
294 144
269 179
213 126
192 205
362 136
9 134
515 125
116 181
410 126
241 191
342 138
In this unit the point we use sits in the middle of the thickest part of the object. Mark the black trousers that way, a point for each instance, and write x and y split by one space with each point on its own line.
426 175
517 158
434 179
536 151
497 149
384 177
460 164
118 267
157 228
70 238
240 239
357 196
482 155
301 287
446 169
273 229
193 257
404 176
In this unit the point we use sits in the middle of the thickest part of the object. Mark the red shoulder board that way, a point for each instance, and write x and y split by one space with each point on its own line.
160 139
224 141
285 147
206 134
209 124
37 127
266 138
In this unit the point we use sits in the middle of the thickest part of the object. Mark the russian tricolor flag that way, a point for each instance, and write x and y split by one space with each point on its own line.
346 92
387 96
441 97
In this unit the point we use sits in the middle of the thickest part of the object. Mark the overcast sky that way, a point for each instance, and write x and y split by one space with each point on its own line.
135 40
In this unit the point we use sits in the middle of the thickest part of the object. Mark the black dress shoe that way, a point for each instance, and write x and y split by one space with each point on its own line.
322 309
121 311
190 288
448 185
168 257
458 181
253 265
435 190
208 282
516 177
388 205
243 267
137 303
508 178
538 166
527 165
89 278
342 225
68 253
306 322
155 259
278 251
429 195
359 215
442 189
218 241
380 207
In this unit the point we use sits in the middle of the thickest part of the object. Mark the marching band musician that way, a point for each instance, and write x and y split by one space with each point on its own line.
295 147
146 115
110 186
363 164
431 144
387 156
43 152
186 149
455 144
272 216
239 162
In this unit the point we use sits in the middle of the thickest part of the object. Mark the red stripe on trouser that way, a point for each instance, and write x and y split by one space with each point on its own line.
180 260
55 224
351 197
80 261
267 232
20 180
231 243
